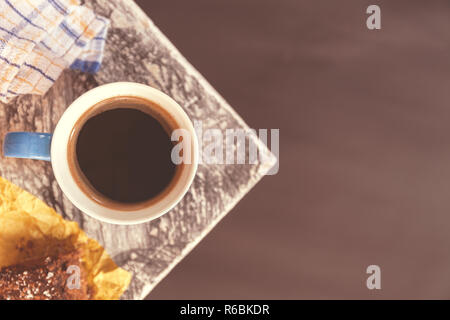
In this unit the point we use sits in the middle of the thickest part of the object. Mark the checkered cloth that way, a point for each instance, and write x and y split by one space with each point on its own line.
41 38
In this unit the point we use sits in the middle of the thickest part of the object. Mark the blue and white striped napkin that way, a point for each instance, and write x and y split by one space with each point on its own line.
41 38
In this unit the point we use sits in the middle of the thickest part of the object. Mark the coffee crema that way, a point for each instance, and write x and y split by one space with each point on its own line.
120 153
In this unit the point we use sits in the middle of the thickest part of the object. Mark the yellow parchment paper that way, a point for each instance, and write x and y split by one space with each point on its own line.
30 229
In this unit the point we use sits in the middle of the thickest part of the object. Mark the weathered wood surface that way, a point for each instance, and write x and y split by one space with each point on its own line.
137 51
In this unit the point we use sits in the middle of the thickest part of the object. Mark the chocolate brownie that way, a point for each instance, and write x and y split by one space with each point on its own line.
58 277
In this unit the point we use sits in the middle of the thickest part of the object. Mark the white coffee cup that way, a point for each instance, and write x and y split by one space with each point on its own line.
54 148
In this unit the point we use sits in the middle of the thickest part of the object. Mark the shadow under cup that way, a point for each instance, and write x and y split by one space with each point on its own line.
119 153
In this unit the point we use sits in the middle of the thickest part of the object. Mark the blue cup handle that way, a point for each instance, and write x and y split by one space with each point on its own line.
28 145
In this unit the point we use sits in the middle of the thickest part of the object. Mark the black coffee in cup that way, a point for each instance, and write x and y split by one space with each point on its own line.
121 151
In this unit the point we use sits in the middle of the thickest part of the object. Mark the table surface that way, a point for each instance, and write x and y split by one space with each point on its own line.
137 51
365 174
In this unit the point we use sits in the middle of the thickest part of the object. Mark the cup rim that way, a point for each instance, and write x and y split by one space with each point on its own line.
67 183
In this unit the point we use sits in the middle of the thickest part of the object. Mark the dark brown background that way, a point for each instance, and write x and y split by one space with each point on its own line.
364 119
